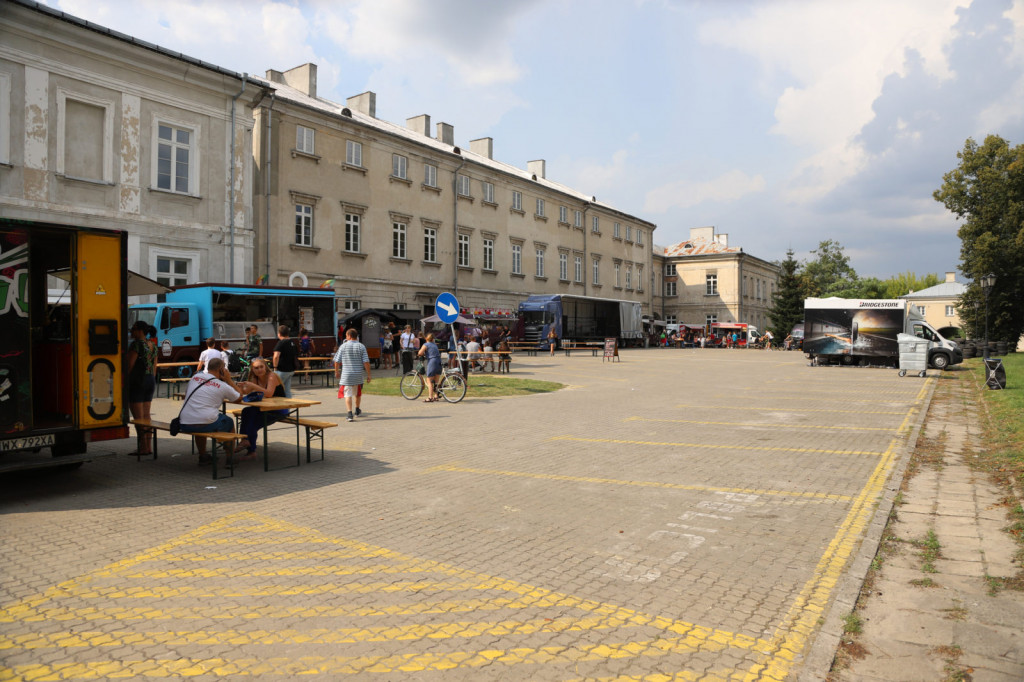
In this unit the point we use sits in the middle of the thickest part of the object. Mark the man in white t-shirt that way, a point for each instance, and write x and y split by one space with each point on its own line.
204 397
473 349
407 342
211 352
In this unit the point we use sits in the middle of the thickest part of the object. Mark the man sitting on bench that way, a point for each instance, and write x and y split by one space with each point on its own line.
201 413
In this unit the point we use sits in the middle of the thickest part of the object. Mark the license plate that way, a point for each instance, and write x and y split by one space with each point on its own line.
26 443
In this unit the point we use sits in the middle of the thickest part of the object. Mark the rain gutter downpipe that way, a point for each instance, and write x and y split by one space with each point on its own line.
231 189
455 226
270 157
586 275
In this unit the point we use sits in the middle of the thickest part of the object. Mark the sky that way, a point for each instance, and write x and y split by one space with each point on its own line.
783 123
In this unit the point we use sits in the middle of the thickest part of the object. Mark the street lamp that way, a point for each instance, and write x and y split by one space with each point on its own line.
987 282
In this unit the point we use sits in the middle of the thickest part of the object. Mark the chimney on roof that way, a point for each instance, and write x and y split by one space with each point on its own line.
706 234
419 124
446 133
538 168
950 277
365 103
722 239
484 147
302 78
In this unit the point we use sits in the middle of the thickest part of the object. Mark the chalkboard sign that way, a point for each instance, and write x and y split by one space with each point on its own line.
611 350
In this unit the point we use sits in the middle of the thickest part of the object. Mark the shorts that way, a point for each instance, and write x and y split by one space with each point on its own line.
143 393
222 423
350 391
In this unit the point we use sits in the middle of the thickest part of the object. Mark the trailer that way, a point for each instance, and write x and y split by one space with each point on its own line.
861 331
580 318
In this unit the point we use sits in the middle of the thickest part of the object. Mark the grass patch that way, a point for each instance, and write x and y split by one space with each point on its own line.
924 582
1004 438
479 387
852 623
931 550
956 612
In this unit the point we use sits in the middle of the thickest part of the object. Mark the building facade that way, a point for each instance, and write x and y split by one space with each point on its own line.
937 304
390 216
704 280
100 130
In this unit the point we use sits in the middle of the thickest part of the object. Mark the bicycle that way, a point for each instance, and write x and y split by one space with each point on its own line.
451 385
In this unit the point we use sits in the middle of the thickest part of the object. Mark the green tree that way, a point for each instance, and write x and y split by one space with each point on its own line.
986 192
788 301
904 283
830 273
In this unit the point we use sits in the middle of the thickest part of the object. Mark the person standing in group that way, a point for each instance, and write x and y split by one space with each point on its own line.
386 342
141 383
253 343
408 349
432 355
355 371
204 397
286 356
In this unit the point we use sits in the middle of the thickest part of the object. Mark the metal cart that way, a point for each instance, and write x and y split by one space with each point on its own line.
913 354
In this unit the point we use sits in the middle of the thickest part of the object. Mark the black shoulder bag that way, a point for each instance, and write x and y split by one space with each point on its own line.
176 422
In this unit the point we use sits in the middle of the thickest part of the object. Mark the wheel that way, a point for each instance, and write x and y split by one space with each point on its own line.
940 361
452 388
922 373
185 371
903 372
847 360
411 385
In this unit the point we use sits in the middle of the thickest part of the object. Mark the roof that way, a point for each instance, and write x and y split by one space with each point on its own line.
288 93
944 290
699 247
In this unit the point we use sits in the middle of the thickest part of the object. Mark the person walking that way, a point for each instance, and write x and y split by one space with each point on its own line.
552 340
141 383
432 355
355 371
211 352
286 357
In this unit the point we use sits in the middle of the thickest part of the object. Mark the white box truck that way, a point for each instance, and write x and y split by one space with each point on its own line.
855 331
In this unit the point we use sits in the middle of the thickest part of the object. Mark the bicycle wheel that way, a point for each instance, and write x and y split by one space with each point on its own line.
452 387
411 385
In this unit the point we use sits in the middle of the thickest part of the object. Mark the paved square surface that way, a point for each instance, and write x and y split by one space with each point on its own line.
677 515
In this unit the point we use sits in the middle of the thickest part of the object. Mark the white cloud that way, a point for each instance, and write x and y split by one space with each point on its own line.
685 193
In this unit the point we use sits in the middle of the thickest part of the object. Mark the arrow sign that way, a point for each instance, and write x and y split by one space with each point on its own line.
447 307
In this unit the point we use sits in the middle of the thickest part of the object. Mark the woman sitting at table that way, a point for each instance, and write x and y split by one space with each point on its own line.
264 383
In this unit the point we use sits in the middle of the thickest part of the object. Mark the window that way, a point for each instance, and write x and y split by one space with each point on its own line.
352 222
596 267
303 224
617 231
579 219
629 276
563 266
517 201
540 207
398 306
175 153
464 250
950 312
463 185
920 309
639 278
711 285
85 133
517 259
670 269
353 153
351 306
429 175
618 273
639 237
304 139
540 262
489 192
400 166
488 254
578 269
172 272
670 319
595 224
710 319
563 214
430 244
398 239
629 233
670 288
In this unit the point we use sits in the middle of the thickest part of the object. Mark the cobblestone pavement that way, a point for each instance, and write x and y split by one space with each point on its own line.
677 515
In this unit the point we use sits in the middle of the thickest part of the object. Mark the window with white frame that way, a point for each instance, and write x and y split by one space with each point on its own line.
563 214
354 153
629 233
489 192
670 319
578 220
616 230
517 201
488 254
304 224
920 309
430 244
950 311
353 222
710 319
578 269
563 266
399 233
670 288
464 250
639 278
429 175
618 275
351 306
398 306
517 259
639 237
595 224
596 269
175 158
400 166
540 261
540 207
670 269
172 272
304 140
711 285
629 276
463 185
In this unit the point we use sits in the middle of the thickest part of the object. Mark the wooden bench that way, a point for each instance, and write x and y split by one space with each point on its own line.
173 382
593 346
314 429
522 346
224 439
322 371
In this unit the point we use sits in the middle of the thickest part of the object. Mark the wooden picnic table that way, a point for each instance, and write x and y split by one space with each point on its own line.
293 405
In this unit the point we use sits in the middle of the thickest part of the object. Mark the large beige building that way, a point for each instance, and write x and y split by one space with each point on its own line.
100 130
395 215
937 304
704 280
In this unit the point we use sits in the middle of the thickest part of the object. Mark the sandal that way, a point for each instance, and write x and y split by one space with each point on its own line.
430 400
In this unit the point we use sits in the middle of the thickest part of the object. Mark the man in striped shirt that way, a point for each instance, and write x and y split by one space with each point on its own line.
355 370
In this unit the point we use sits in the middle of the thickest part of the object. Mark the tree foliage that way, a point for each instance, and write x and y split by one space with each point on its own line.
788 301
830 272
986 191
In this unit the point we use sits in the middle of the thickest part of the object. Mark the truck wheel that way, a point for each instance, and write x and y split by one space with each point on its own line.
940 361
185 371
903 372
847 360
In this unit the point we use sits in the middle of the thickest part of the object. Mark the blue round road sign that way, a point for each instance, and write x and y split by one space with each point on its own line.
447 307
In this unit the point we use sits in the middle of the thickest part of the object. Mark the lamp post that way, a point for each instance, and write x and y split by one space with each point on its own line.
987 282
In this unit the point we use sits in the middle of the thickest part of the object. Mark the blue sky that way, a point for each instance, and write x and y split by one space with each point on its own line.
782 123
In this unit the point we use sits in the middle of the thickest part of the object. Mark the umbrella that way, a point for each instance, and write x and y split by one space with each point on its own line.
434 318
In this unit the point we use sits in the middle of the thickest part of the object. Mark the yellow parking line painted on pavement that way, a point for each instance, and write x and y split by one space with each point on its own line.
642 484
709 446
793 633
760 425
777 409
